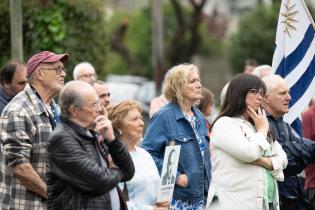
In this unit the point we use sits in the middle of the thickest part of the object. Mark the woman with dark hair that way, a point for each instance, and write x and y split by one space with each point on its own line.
246 160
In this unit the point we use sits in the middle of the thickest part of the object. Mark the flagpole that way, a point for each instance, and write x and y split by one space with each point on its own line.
308 13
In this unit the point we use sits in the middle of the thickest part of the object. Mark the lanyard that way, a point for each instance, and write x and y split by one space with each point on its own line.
54 117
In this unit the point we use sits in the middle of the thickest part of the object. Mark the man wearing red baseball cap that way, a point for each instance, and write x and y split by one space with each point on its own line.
25 126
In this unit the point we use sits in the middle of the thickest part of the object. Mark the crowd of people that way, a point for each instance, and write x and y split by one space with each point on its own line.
85 152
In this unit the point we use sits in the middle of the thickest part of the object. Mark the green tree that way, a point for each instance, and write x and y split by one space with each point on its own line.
5 46
72 26
255 37
131 38
130 43
86 37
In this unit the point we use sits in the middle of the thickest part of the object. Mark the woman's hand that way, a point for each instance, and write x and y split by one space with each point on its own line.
162 205
259 118
182 180
264 162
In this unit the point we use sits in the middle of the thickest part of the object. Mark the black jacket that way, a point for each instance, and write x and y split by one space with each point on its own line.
299 155
75 177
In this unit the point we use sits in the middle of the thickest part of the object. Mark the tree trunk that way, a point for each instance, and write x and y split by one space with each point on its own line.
16 29
117 44
186 28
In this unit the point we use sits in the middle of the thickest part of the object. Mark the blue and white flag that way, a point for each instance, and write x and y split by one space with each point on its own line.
294 59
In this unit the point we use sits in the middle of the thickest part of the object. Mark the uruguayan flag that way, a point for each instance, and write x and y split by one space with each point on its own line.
293 58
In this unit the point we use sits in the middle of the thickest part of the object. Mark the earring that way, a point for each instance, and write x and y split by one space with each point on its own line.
120 132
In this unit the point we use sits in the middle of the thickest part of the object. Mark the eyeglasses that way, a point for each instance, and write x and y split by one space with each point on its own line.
257 92
58 69
88 75
105 95
93 106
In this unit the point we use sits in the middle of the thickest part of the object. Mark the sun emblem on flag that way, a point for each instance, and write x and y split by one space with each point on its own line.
289 21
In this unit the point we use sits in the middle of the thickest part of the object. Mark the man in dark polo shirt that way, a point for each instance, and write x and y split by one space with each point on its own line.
13 80
276 104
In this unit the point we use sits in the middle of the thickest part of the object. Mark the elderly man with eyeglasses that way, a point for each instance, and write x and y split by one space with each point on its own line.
81 175
25 126
85 72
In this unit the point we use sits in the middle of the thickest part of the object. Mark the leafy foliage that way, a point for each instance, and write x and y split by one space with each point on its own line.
82 30
5 47
86 38
138 40
44 28
255 37
71 26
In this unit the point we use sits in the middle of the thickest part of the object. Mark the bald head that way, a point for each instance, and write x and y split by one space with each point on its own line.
80 87
277 98
73 94
262 71
85 72
273 81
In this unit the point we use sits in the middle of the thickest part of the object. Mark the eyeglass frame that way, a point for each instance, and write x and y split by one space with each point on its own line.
88 75
58 69
105 95
93 106
257 92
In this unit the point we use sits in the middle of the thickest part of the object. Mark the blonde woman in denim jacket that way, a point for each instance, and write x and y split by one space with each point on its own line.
180 123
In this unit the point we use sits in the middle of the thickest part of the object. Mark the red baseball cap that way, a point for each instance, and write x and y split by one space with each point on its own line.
44 57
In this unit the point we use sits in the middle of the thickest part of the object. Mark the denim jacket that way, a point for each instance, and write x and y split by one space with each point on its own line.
169 124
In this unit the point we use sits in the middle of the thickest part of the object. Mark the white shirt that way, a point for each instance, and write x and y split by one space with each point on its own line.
144 186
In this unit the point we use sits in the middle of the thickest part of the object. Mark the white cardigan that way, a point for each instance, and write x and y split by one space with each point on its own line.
238 183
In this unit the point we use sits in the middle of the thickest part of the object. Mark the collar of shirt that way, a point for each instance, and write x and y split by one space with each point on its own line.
4 95
270 116
82 131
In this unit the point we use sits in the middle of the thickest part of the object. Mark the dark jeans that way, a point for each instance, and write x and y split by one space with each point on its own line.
311 195
289 204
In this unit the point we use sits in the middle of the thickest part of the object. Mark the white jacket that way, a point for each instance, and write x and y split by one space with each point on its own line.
237 183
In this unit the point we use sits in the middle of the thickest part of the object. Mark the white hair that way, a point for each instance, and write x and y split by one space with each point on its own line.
259 70
272 82
71 95
223 93
79 67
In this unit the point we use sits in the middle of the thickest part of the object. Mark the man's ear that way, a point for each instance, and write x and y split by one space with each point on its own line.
6 84
266 99
73 111
38 73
